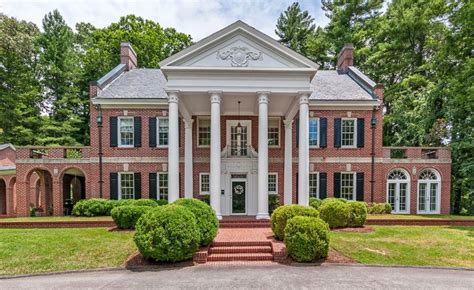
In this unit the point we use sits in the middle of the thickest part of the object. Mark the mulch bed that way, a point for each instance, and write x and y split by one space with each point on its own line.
136 260
364 229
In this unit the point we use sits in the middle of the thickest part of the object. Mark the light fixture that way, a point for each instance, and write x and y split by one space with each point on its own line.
239 126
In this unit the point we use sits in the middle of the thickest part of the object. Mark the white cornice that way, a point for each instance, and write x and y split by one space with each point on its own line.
131 103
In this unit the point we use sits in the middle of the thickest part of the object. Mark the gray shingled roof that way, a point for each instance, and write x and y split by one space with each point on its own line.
332 85
137 84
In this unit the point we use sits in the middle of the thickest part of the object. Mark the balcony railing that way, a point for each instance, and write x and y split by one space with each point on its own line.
238 152
46 152
416 152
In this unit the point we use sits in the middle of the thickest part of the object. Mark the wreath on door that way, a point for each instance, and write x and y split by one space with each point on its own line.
238 189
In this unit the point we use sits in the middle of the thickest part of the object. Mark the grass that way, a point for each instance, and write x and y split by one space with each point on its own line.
24 251
420 216
409 245
55 219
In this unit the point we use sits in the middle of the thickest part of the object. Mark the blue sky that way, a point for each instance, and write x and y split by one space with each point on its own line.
196 17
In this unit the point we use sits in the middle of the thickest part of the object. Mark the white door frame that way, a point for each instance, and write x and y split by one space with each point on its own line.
428 197
397 195
232 180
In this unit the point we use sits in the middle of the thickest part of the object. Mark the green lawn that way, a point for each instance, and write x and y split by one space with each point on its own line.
409 245
24 251
420 216
55 218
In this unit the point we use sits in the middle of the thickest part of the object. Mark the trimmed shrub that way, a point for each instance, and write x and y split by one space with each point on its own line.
315 202
206 198
206 218
335 212
358 214
273 203
307 238
167 234
379 208
145 202
126 216
388 208
160 202
92 207
282 214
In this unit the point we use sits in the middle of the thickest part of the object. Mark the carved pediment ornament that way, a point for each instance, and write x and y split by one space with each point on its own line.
239 56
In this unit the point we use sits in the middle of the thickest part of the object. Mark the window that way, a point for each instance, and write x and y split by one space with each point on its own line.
313 132
126 186
163 131
348 132
204 132
274 132
272 183
125 128
398 193
347 185
429 184
204 183
238 141
313 185
163 186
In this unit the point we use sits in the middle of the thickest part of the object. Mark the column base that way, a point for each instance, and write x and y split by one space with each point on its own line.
219 216
262 216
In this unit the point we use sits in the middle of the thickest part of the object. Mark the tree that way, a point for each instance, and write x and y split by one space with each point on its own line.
294 26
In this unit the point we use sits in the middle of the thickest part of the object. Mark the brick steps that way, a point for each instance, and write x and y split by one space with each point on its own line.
240 257
244 225
240 249
231 251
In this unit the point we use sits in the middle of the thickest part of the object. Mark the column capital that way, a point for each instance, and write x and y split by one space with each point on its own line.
215 96
288 123
173 96
263 99
188 123
304 99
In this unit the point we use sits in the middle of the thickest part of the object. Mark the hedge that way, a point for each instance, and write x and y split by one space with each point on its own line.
315 202
167 234
307 238
379 208
335 212
358 213
126 216
283 213
103 207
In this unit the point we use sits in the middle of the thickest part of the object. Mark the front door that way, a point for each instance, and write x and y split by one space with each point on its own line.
398 196
239 192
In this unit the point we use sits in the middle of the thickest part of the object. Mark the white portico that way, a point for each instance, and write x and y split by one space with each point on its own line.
238 78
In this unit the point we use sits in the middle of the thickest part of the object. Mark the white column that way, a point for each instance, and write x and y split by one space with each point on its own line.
173 147
188 158
215 175
288 186
303 152
262 211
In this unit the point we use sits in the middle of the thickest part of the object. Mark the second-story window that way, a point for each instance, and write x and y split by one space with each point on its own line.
204 132
126 131
348 132
163 132
274 132
272 183
313 132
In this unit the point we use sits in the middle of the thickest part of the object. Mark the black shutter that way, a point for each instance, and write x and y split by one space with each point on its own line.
113 132
360 132
297 188
323 180
152 131
152 184
360 186
179 133
337 184
337 133
113 185
323 134
137 183
137 131
297 125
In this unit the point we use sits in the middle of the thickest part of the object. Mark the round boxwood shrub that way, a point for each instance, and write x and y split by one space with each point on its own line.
315 202
335 212
126 216
206 218
388 208
92 207
160 202
358 214
307 238
167 234
283 213
144 202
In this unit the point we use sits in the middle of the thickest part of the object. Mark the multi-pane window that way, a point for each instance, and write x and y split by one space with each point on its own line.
126 131
163 186
204 132
348 186
126 186
348 132
274 132
313 185
313 132
428 192
204 183
238 141
163 131
272 183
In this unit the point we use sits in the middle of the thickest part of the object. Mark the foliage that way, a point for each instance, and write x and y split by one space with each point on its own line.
144 202
273 203
282 214
92 207
307 238
167 234
206 198
315 202
358 214
126 216
379 208
335 212
160 201
206 218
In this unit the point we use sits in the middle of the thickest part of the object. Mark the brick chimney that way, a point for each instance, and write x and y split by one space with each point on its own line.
128 55
345 58
378 90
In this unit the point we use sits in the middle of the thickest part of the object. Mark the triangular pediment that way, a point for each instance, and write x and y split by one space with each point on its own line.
239 46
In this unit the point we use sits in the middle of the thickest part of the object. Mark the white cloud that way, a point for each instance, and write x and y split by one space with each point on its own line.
196 17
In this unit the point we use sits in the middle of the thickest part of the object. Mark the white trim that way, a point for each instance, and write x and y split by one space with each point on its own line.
119 141
276 183
230 123
318 132
200 183
119 194
397 183
318 180
344 104
355 133
279 131
428 188
158 132
232 180
354 184
158 184
199 118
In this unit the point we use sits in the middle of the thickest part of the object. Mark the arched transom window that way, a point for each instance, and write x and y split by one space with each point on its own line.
429 184
398 191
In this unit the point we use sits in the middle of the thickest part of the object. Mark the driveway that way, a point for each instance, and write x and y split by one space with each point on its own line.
254 276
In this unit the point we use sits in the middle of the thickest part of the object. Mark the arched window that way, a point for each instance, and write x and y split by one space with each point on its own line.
429 183
398 191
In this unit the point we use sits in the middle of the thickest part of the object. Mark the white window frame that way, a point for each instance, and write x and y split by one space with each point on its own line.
317 182
354 185
355 132
120 184
158 119
397 183
158 184
200 183
318 133
120 135
428 188
197 131
276 183
233 123
279 131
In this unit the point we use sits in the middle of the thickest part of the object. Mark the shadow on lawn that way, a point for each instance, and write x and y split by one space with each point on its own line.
468 229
